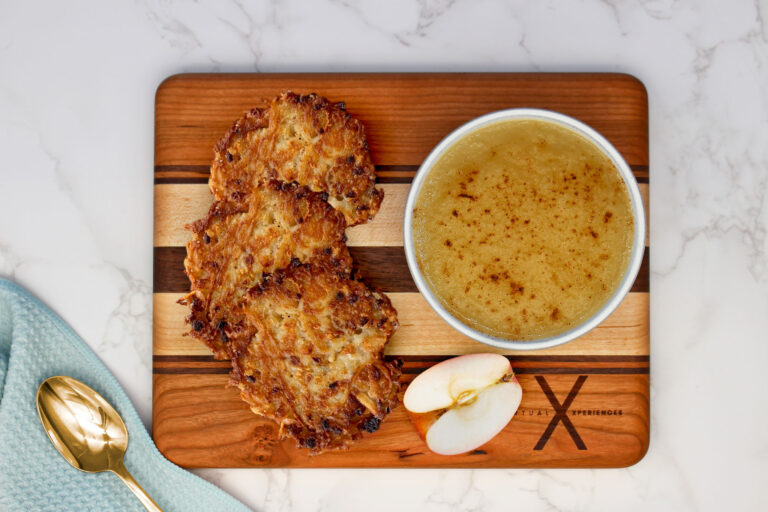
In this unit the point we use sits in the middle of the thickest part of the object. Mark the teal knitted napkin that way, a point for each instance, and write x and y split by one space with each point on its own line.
34 345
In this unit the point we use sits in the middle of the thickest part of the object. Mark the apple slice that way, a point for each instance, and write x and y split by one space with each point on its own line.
463 402
467 427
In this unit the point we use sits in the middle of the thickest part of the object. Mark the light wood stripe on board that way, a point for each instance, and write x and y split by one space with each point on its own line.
177 205
422 332
165 174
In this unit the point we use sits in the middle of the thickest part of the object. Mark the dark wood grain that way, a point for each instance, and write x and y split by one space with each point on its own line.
414 365
384 268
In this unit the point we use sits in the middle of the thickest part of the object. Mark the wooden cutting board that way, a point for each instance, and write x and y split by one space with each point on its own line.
585 403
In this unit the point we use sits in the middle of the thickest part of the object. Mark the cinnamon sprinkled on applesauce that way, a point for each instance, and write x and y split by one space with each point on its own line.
523 229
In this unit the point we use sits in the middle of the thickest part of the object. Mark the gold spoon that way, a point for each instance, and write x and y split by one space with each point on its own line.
86 430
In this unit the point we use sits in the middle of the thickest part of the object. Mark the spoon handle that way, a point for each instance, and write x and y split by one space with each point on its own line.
134 486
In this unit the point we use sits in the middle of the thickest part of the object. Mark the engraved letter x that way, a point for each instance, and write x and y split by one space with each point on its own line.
561 411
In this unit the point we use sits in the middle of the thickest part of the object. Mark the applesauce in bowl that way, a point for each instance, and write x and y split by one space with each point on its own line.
524 229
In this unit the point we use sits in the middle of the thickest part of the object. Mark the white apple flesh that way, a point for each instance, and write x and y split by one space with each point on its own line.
454 380
463 402
465 428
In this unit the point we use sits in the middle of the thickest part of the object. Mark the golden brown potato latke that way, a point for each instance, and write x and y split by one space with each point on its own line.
271 286
311 355
239 244
305 139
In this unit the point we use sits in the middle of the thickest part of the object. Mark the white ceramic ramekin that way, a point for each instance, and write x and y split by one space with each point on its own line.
638 244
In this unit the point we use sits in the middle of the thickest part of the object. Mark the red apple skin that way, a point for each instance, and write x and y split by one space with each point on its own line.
422 421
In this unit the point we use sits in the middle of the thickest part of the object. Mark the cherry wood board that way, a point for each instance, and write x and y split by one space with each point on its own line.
585 403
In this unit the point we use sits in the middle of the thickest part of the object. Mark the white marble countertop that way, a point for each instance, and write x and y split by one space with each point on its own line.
76 137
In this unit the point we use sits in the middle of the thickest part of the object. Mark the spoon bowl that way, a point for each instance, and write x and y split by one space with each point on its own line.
86 430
